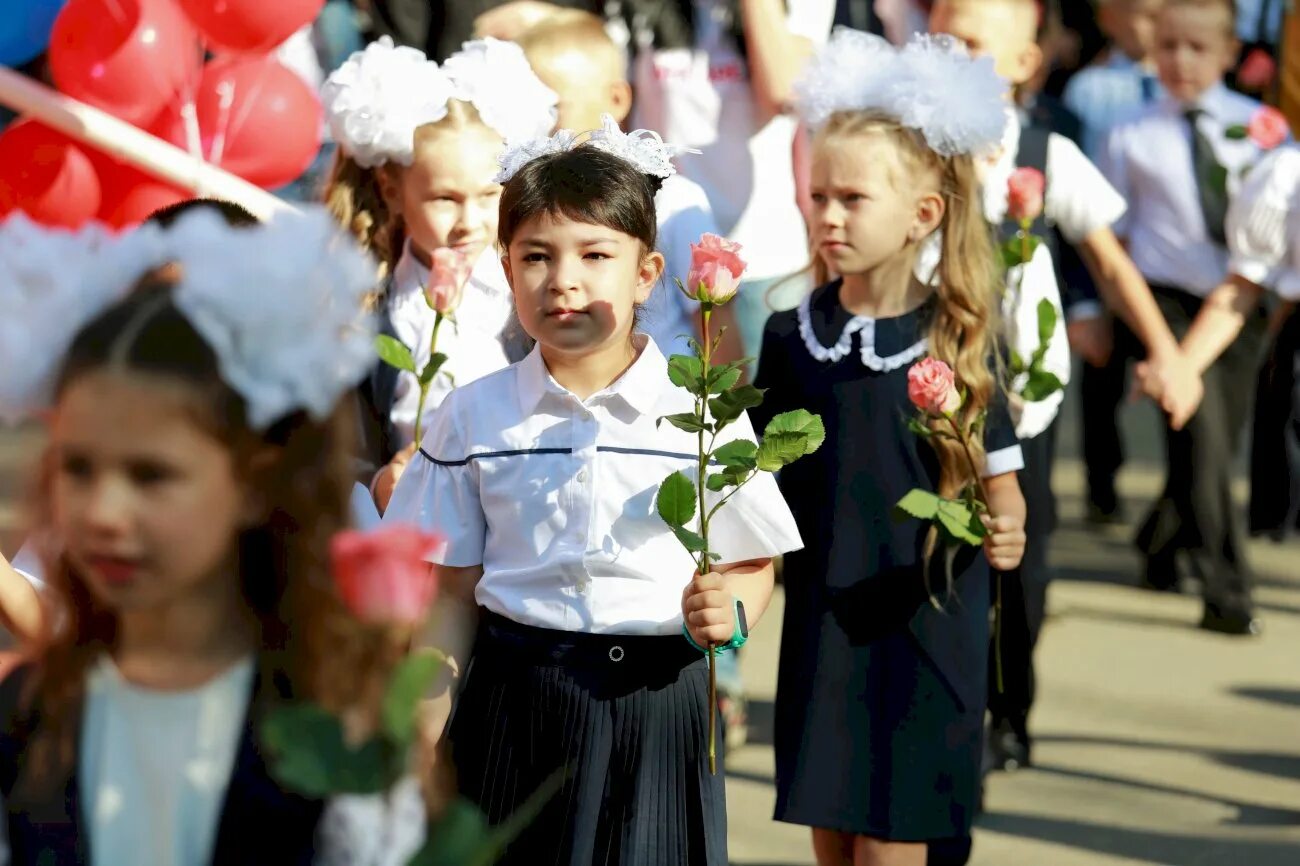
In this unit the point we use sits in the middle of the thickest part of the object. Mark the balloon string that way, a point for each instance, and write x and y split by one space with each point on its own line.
226 96
194 143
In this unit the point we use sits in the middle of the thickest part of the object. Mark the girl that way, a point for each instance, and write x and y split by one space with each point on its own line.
881 693
1263 236
543 478
418 150
197 472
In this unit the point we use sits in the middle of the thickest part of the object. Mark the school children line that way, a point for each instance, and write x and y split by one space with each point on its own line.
212 402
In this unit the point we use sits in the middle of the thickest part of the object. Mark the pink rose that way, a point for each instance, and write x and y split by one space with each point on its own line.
384 576
1268 128
448 273
932 388
1257 70
716 269
1025 191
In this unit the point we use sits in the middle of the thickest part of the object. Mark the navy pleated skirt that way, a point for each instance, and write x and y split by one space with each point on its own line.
623 719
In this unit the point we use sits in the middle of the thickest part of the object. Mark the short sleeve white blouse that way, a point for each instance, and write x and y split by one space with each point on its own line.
1263 224
555 497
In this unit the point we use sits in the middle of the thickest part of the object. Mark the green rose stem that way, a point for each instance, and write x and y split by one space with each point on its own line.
426 381
701 404
983 495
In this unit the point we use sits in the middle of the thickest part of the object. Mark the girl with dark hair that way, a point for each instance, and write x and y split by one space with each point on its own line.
196 471
543 479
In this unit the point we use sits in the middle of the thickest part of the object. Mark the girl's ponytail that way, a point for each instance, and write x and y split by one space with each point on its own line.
354 199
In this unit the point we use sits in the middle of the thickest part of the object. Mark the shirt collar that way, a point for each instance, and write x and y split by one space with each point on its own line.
1214 101
639 386
409 275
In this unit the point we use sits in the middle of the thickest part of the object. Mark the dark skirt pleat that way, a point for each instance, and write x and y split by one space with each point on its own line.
629 736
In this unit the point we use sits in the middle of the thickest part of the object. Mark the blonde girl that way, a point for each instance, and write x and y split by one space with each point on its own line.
418 148
881 693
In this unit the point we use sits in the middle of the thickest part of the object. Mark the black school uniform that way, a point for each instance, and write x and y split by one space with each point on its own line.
881 696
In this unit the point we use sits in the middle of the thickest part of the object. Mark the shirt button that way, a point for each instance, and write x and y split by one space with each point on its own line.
582 476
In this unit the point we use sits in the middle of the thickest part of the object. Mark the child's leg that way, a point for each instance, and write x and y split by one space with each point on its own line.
832 848
877 852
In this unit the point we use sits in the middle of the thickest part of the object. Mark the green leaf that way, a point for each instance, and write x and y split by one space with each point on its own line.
686 421
407 687
460 837
692 541
724 378
917 426
1040 386
1236 132
788 437
739 453
393 353
431 369
1013 253
1046 322
676 500
309 754
918 503
686 372
1016 363
718 481
729 405
961 522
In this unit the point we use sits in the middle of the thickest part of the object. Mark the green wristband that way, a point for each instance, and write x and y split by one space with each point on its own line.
739 633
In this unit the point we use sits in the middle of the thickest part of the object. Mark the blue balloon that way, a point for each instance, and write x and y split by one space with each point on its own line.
25 31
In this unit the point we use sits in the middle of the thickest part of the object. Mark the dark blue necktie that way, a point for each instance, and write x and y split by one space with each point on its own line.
1211 178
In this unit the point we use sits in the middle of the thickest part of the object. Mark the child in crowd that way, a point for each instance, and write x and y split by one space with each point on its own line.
418 149
196 472
881 694
1120 84
1263 235
543 478
1175 163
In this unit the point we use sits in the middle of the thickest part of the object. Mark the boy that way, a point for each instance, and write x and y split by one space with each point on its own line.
1171 162
1083 206
1117 88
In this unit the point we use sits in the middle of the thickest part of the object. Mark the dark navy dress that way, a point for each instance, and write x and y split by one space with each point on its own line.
881 696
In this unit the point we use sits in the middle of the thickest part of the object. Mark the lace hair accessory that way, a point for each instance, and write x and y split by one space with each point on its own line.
931 85
495 77
52 284
280 304
376 100
643 148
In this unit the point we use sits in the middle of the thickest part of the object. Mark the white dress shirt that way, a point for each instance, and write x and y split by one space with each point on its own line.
155 765
555 497
1263 225
473 343
1149 160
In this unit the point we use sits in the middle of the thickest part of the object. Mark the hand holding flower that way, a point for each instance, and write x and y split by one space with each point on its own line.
1004 546
708 608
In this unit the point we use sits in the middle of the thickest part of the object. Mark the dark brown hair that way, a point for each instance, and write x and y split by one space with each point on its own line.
585 184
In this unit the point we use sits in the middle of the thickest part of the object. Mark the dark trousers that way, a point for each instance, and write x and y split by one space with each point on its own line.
1195 513
1101 391
1024 592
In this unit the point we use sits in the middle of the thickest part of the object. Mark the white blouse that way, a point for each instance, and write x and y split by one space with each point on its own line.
1263 225
473 342
155 765
555 497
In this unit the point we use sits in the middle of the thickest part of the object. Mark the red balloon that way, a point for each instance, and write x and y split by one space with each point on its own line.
250 25
256 119
130 195
141 201
47 176
128 57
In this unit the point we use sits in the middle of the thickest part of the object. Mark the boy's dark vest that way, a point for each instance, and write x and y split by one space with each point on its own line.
260 824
